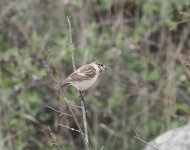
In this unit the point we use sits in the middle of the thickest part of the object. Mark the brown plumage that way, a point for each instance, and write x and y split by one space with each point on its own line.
85 76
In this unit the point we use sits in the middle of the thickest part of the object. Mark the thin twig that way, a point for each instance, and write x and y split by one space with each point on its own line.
71 42
84 117
54 138
67 101
71 103
76 121
69 128
82 99
61 113
46 65
111 131
138 138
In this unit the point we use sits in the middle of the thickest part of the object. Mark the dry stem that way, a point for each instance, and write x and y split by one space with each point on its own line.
81 96
68 104
138 138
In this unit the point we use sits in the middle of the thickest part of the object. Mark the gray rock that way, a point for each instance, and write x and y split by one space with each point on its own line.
175 139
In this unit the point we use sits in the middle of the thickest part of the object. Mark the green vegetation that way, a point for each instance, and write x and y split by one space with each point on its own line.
145 43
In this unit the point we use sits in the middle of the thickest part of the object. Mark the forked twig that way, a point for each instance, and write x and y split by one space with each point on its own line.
68 104
85 134
77 123
54 138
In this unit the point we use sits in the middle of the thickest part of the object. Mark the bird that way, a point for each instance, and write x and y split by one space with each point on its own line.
85 76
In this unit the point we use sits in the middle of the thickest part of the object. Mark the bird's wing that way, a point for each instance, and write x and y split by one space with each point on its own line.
86 72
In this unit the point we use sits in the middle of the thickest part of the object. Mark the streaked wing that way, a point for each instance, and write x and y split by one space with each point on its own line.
86 72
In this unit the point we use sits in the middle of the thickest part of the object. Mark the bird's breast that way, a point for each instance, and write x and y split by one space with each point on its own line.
85 84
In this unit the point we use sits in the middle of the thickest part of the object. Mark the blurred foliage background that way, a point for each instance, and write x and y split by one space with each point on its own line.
146 45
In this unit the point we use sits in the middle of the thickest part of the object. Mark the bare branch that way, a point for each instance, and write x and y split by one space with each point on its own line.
111 131
71 103
61 113
138 138
76 121
81 96
54 138
84 117
70 128
68 102
46 65
71 42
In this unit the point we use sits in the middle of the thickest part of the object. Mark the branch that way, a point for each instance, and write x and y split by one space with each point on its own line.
71 42
77 123
67 101
84 117
72 129
54 138
72 104
138 138
61 113
81 96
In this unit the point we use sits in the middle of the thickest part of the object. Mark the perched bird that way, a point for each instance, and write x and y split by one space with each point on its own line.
85 76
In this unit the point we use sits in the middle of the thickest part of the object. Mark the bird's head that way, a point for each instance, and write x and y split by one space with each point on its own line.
101 66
